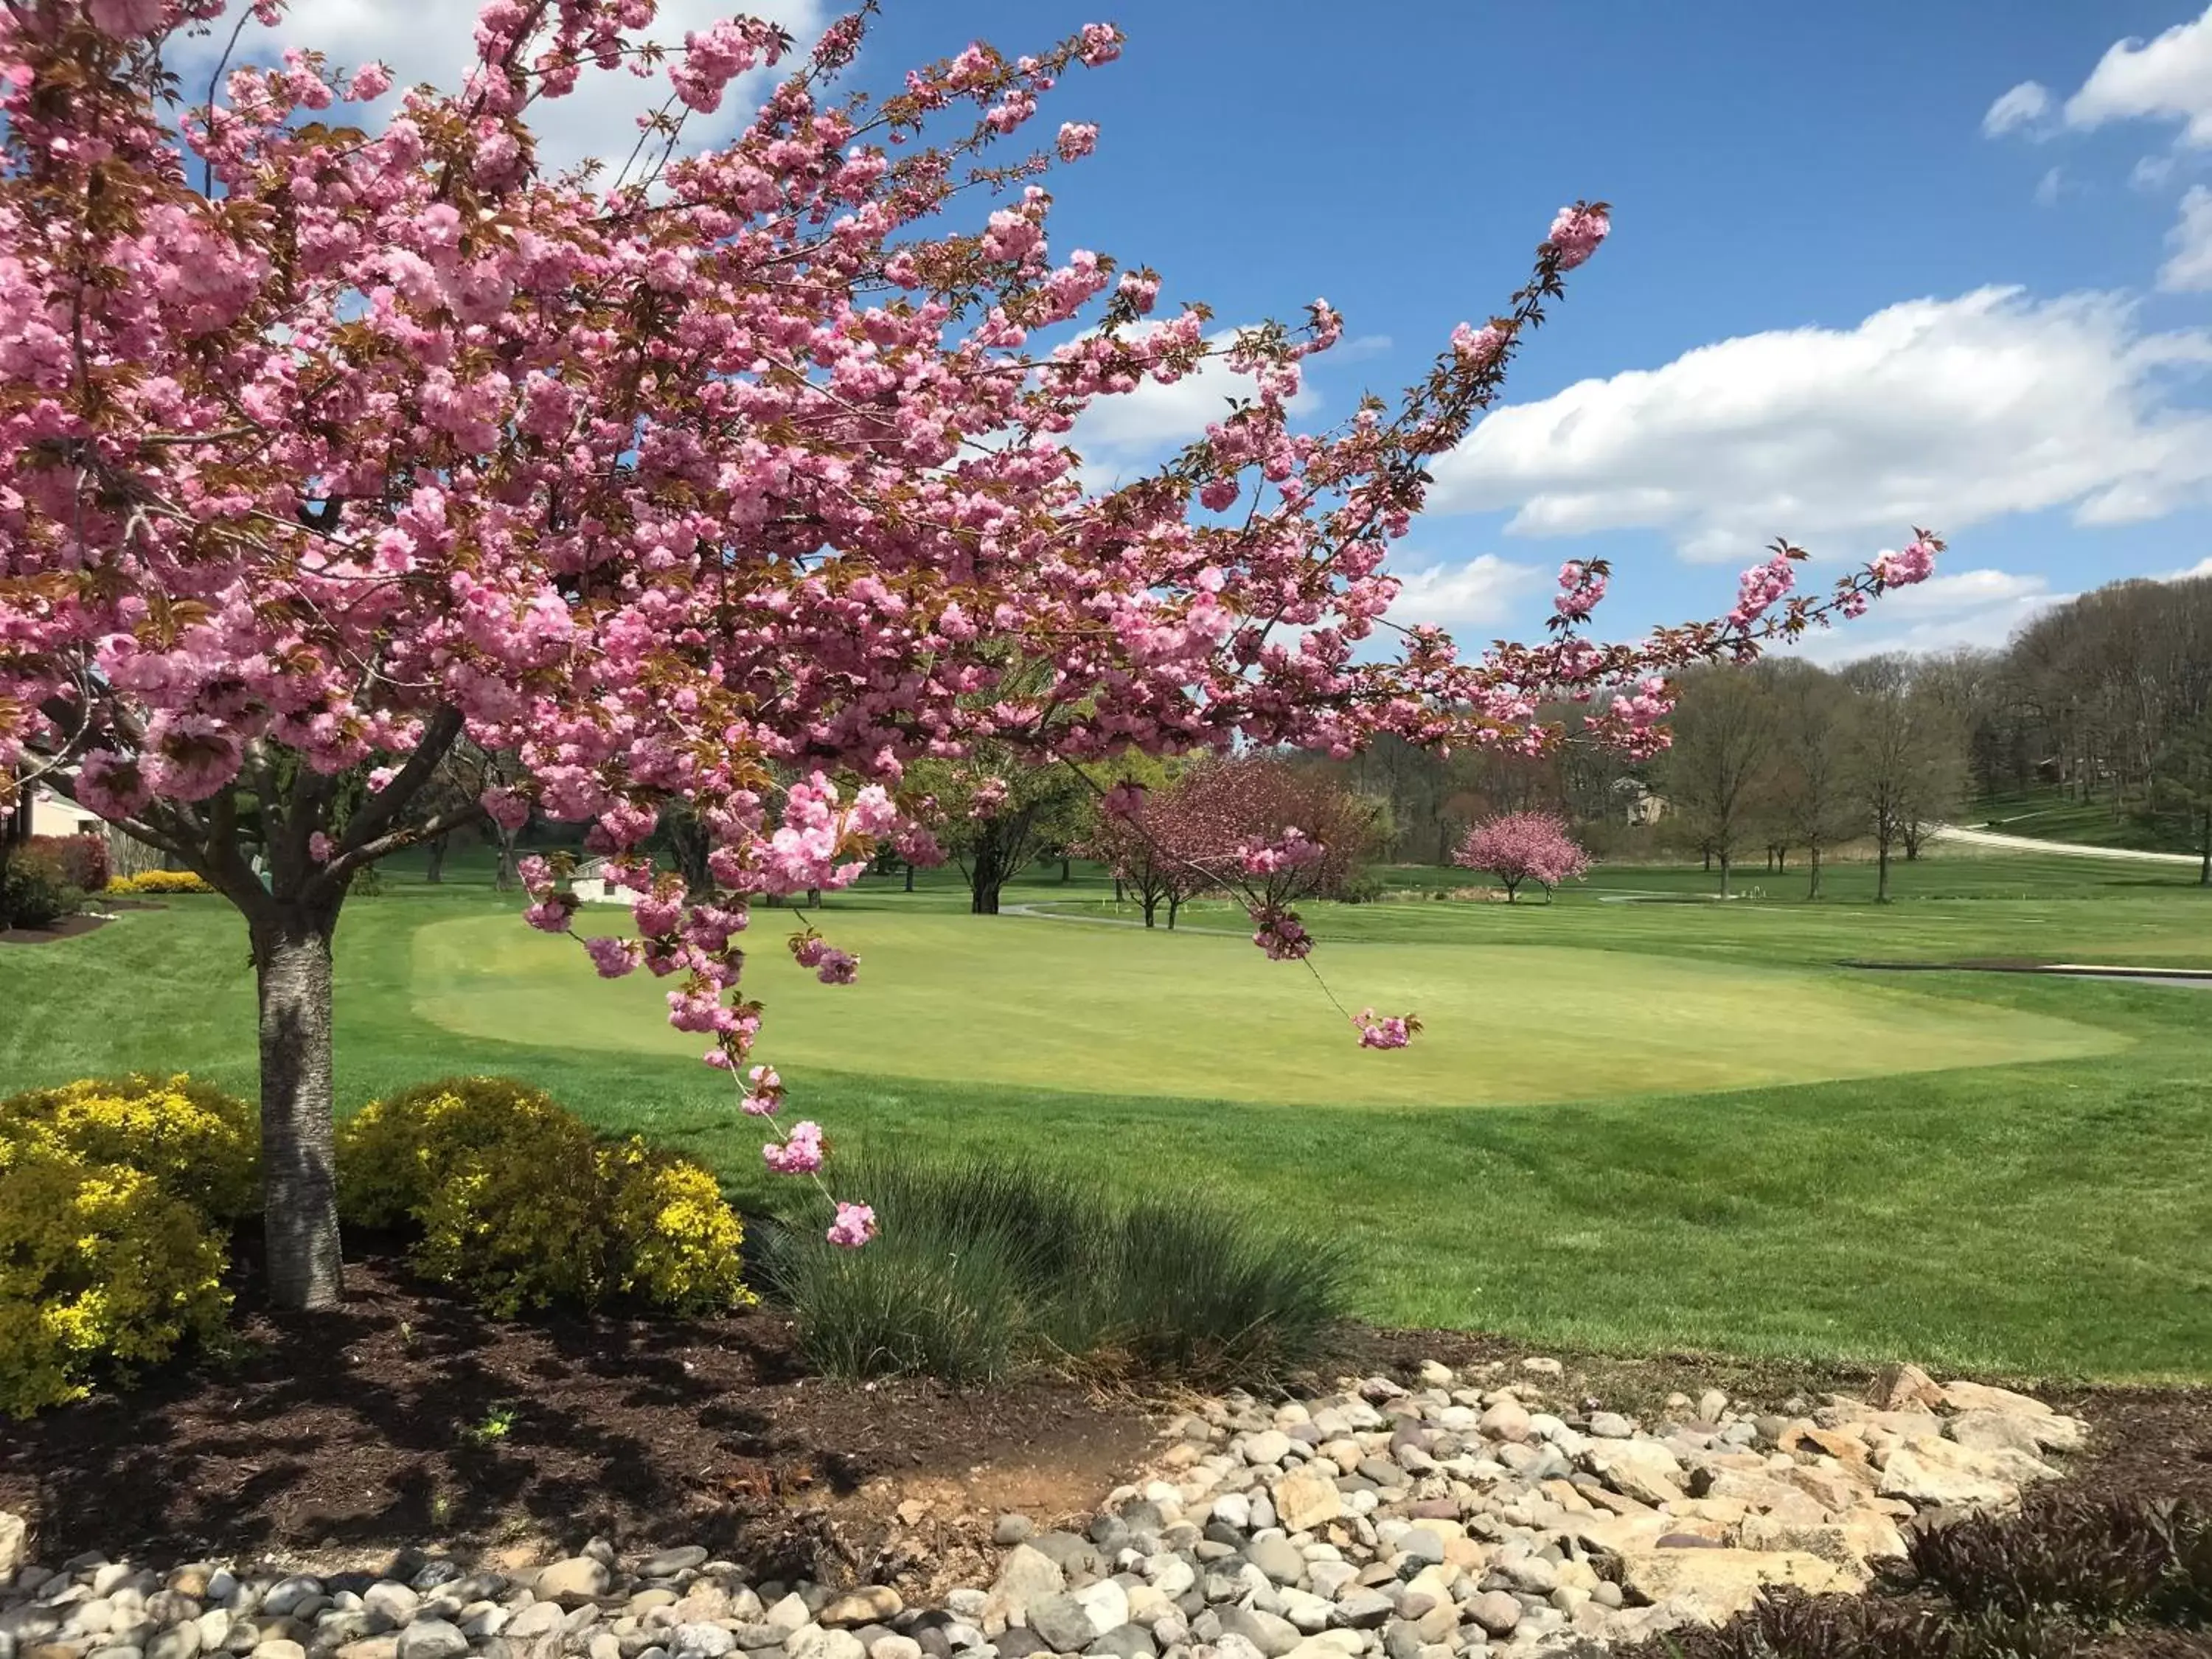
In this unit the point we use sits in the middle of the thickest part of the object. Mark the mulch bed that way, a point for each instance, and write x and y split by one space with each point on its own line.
380 1425
63 927
410 1420
76 926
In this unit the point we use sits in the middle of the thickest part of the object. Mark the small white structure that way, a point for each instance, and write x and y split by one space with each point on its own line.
591 885
57 814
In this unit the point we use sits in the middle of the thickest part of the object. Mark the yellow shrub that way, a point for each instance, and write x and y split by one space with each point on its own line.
158 881
516 1203
201 1145
100 1270
676 1240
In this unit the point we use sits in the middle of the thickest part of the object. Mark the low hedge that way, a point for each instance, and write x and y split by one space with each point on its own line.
157 882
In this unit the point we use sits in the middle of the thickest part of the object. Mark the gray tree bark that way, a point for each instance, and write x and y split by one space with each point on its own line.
298 1163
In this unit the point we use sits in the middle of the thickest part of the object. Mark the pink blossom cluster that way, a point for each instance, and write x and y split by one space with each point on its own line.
1295 850
1583 583
1385 1032
1762 588
1577 232
831 965
798 1152
1282 935
764 1095
1914 562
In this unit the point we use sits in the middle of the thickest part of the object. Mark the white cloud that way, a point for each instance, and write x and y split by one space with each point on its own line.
1978 608
1935 412
2029 101
2190 268
2202 568
2048 187
2169 78
433 40
2152 172
1483 590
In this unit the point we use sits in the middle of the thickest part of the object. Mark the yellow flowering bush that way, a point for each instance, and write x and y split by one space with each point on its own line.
675 1239
100 1269
515 1202
201 1145
158 882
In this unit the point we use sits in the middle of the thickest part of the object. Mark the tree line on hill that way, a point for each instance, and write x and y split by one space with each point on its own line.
2107 699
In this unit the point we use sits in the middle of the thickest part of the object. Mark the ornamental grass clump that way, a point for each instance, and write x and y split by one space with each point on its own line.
988 1266
513 1200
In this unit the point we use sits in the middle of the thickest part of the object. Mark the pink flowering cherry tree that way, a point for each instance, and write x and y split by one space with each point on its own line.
1518 848
728 480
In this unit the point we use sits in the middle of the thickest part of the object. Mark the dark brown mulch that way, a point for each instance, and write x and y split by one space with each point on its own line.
63 927
379 1426
2150 1442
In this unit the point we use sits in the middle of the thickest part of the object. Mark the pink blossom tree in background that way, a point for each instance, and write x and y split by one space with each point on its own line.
1518 848
725 482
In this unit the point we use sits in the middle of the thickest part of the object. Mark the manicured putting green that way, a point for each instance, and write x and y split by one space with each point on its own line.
1059 1005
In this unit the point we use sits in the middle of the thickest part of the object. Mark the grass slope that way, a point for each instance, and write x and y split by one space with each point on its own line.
2041 1216
2051 814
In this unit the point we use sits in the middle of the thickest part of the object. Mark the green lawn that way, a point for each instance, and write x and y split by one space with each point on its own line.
1630 1125
2051 814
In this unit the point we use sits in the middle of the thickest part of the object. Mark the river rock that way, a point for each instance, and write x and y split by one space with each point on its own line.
572 1582
1306 1499
875 1604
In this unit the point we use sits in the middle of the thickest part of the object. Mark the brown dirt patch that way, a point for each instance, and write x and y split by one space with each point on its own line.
375 1427
63 927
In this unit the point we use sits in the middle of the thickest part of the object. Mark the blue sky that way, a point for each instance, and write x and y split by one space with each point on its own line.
1844 292
1773 168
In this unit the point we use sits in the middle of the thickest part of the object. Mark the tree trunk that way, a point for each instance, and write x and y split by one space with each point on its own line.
505 877
1512 890
1812 888
292 964
1118 895
1151 903
2204 866
1064 874
814 898
909 879
1725 875
434 870
1175 903
1881 870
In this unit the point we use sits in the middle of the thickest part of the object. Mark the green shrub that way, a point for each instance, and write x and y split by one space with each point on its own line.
100 1271
201 1145
517 1204
33 891
984 1266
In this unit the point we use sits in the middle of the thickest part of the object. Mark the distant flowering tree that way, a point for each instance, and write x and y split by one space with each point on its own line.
731 481
1271 832
1518 848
